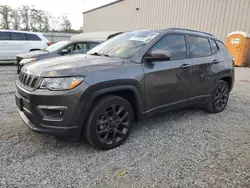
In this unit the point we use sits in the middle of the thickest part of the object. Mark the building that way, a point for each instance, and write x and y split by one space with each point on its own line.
218 17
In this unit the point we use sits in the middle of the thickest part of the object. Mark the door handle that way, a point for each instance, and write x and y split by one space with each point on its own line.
215 61
184 66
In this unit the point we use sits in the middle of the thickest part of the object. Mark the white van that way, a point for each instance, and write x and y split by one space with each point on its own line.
15 42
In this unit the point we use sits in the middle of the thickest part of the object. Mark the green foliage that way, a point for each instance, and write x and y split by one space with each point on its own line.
32 19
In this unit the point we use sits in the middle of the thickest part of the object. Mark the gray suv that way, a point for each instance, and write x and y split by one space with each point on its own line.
131 76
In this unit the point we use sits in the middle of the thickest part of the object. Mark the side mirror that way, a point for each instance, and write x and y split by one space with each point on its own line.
158 55
64 51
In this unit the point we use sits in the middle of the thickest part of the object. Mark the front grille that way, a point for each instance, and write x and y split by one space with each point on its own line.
19 59
28 81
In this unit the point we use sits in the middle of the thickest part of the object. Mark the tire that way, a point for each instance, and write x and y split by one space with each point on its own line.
220 95
18 69
109 123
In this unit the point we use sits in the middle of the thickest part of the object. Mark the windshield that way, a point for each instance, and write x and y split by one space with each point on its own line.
56 46
125 45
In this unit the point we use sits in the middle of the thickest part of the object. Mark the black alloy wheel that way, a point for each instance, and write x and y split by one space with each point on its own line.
113 124
109 123
219 99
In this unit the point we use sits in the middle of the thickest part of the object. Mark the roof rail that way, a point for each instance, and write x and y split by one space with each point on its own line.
191 31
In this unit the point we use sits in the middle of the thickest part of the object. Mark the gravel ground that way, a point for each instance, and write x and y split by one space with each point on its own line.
186 148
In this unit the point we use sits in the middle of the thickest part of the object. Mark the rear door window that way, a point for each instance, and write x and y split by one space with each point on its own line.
214 46
4 35
32 37
199 46
17 36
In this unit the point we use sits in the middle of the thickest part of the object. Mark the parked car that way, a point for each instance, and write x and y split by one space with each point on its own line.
133 75
80 43
15 42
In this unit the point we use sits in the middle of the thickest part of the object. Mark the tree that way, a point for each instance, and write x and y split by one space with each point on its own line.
25 14
5 12
65 24
15 19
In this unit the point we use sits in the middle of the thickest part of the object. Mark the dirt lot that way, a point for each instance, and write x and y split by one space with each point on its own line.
186 148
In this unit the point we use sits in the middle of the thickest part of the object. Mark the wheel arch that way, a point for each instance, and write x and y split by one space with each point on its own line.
128 92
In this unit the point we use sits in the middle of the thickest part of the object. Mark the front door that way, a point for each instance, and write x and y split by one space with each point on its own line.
167 83
18 44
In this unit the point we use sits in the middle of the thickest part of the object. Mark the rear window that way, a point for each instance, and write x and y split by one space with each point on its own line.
4 36
17 36
199 46
32 37
214 46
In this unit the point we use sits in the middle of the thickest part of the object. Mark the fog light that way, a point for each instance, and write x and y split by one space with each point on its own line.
52 113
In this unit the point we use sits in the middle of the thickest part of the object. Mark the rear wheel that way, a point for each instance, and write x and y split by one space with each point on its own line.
219 100
109 123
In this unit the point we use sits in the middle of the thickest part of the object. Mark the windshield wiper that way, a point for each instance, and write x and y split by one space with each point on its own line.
100 54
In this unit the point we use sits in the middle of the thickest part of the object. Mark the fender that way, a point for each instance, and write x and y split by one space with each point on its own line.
89 97
223 74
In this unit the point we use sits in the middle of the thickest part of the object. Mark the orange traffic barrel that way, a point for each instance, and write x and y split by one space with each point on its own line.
238 44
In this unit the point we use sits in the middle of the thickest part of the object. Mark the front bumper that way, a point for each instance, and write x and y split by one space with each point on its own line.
50 130
67 125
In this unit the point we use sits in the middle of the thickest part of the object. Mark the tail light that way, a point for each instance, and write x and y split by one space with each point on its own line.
48 43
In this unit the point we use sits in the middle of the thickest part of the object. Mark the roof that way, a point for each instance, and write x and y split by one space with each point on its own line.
20 31
94 36
116 1
245 34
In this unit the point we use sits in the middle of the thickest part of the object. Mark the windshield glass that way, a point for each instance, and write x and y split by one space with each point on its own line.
56 46
125 45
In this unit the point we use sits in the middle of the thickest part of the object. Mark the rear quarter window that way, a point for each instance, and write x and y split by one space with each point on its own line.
32 37
214 46
221 45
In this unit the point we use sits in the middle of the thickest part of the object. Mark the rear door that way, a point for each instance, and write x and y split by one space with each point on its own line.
168 82
202 73
33 42
4 45
18 44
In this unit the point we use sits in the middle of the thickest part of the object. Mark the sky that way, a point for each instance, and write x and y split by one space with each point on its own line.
73 8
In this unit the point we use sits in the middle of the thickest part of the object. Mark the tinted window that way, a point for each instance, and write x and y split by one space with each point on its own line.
221 45
17 36
174 44
4 36
92 45
32 37
214 46
199 46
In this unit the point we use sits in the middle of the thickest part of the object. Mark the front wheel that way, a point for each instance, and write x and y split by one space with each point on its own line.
219 100
109 123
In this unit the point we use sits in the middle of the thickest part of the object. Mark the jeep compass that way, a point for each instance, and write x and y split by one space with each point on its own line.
133 75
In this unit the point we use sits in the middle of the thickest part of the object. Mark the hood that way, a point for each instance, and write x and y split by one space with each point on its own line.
75 65
33 54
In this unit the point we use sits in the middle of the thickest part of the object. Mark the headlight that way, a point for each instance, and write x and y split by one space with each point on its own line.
60 84
24 61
